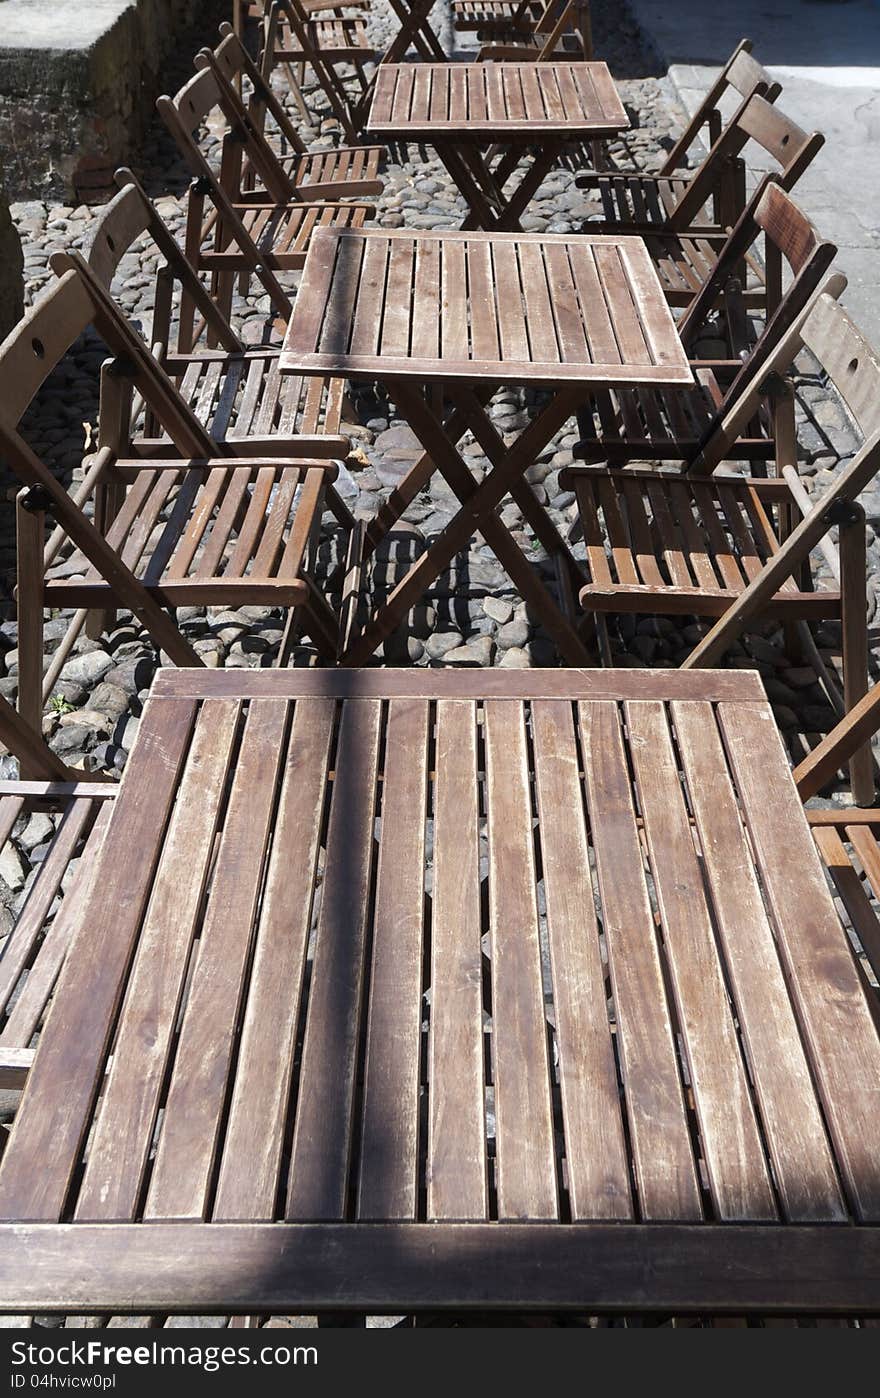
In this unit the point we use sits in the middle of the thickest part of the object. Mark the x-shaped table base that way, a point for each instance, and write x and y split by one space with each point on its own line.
479 501
482 184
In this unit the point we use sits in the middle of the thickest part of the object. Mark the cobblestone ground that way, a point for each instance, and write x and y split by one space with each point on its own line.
474 616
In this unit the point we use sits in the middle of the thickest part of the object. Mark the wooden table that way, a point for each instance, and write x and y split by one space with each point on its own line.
297 969
503 109
469 313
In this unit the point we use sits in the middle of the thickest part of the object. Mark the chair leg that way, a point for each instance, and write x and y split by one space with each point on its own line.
30 528
109 498
852 547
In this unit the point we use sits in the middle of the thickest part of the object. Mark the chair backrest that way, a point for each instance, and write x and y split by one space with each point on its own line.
229 62
777 135
853 367
39 341
292 13
127 217
741 74
232 60
183 115
24 742
773 224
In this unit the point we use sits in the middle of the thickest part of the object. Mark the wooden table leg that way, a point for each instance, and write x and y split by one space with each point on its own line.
508 217
545 530
482 214
470 414
417 478
476 514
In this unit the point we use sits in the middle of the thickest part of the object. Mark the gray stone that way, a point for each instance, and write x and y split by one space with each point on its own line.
498 608
109 699
513 633
38 829
74 739
515 659
132 676
441 643
477 652
88 669
77 85
87 718
13 870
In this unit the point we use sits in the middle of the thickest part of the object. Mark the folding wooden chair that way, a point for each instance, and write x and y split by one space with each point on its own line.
235 392
772 244
199 528
702 543
562 28
341 173
327 46
248 235
36 946
848 838
713 196
741 77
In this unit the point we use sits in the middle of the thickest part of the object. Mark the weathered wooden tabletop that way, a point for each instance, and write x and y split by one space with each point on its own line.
475 103
499 307
485 962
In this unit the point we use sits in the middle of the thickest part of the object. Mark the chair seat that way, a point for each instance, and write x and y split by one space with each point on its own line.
491 16
684 263
353 170
337 40
34 951
667 424
283 232
210 533
661 543
639 201
247 397
848 845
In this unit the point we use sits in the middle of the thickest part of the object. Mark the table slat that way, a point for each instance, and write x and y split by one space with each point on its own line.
803 1164
595 1148
187 1146
388 1181
737 1170
113 1180
253 1145
526 1174
838 1029
456 1165
51 1120
320 1154
666 1176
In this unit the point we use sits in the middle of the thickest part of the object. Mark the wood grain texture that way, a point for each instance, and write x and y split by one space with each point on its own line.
527 1186
456 1156
489 101
272 1268
51 1121
345 323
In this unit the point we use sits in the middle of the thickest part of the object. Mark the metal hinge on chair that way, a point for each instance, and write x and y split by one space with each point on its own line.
844 512
775 386
36 500
122 367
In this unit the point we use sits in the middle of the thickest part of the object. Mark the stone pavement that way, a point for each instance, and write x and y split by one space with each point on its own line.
827 57
473 616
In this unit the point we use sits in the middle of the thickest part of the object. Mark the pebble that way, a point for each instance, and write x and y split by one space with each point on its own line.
87 669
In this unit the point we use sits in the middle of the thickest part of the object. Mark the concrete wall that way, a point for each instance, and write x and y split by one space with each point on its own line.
78 80
11 266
